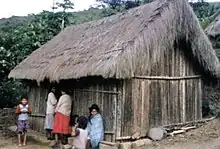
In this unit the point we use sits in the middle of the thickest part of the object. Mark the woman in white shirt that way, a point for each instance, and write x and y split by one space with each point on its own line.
61 124
50 111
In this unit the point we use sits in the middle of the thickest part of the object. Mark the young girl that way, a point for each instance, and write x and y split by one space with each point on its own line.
22 111
81 140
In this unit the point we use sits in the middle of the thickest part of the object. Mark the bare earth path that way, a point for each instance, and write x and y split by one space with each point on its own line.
205 137
9 141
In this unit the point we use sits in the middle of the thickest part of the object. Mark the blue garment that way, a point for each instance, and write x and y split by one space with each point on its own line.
96 130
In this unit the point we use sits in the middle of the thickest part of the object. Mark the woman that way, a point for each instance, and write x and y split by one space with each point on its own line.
50 111
95 126
62 117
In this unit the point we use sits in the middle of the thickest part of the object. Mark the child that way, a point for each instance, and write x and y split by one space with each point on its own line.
81 140
22 111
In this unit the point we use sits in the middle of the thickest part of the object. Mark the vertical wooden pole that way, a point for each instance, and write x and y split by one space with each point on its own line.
118 115
114 114
143 114
200 99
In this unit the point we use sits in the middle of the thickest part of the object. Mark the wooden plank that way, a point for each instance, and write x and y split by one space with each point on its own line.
146 97
168 77
99 91
175 99
123 108
189 123
193 89
179 101
128 110
136 114
181 89
143 113
37 115
200 98
123 138
114 106
164 102
152 105
158 104
196 99
119 117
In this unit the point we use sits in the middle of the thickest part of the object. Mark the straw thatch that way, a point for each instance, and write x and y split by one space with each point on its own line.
213 30
120 46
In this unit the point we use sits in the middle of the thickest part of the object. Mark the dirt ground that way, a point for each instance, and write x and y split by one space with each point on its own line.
204 137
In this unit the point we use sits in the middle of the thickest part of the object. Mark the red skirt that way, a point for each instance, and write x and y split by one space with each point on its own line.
61 124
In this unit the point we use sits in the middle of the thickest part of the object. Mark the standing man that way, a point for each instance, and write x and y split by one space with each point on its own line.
50 112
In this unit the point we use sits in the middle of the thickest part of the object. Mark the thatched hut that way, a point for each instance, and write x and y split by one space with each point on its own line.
144 68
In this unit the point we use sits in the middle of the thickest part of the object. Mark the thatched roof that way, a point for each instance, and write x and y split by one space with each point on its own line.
114 47
213 30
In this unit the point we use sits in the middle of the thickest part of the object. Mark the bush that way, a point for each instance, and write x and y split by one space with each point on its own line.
211 100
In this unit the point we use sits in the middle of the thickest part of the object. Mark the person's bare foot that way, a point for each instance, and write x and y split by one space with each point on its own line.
19 145
24 144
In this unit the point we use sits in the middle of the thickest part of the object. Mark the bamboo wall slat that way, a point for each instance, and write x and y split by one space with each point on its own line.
37 100
166 106
173 89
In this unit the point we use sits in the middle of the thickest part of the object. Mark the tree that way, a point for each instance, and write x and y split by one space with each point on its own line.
16 43
65 5
126 4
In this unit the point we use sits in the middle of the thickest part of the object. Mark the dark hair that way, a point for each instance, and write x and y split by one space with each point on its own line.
82 122
52 87
67 91
94 106
73 120
24 97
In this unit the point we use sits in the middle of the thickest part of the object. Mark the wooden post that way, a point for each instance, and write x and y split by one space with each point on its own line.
200 99
114 114
142 107
118 115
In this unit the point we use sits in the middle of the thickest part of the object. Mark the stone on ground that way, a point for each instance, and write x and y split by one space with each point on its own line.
12 128
126 145
137 144
147 142
156 134
108 145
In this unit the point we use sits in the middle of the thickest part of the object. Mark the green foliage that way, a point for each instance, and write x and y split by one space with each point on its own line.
17 42
204 11
204 23
65 5
20 36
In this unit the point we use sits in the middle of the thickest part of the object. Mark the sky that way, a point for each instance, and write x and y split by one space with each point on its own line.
9 8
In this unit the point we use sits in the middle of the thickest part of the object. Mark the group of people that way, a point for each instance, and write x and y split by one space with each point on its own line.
60 123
